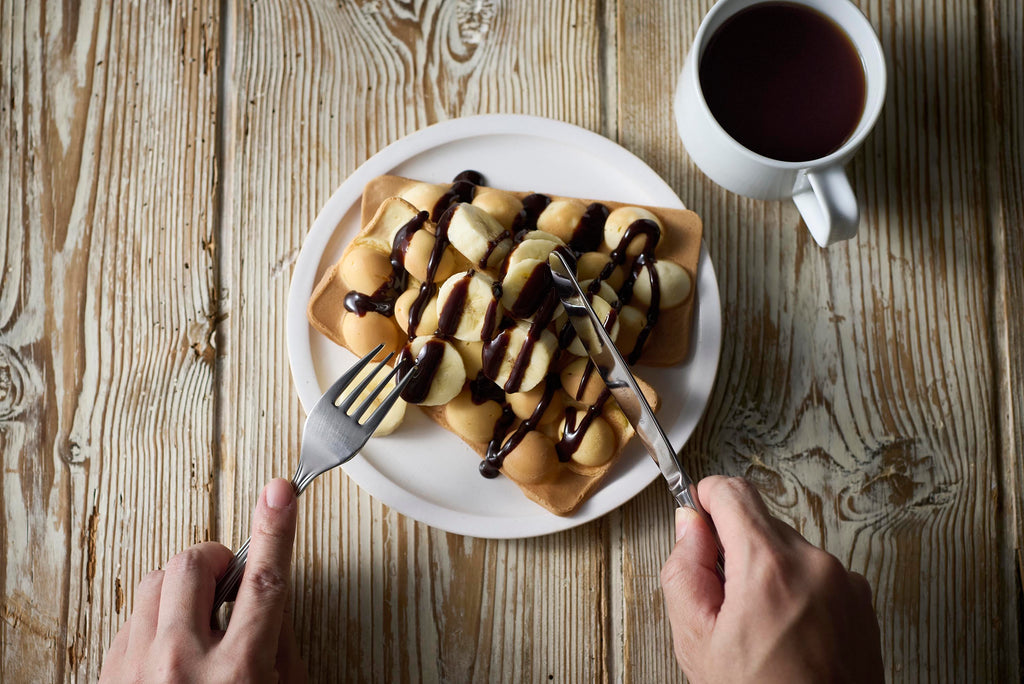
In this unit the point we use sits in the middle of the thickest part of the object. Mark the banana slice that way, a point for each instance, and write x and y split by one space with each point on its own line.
478 236
503 206
467 306
526 287
394 417
385 224
518 360
604 312
621 219
537 246
674 284
605 291
441 372
561 218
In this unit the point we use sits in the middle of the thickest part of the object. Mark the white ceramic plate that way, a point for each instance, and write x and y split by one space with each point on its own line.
422 470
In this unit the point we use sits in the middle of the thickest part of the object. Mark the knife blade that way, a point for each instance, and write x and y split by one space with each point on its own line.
618 377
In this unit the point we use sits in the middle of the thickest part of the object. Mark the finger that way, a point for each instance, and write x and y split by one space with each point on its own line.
256 620
145 609
114 661
289 664
190 578
119 645
740 516
693 591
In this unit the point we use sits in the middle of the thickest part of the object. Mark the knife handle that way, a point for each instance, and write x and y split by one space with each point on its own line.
687 497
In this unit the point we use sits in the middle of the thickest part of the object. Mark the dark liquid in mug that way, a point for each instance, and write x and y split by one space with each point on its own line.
784 81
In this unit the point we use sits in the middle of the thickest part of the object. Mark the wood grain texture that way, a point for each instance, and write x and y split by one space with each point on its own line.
1004 107
105 356
316 88
160 164
853 384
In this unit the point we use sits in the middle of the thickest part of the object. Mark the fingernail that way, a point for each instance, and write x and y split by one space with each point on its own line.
280 494
684 516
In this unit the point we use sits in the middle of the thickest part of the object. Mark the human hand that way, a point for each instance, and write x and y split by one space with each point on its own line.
168 636
787 612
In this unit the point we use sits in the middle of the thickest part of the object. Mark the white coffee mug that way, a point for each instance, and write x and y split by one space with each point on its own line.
819 188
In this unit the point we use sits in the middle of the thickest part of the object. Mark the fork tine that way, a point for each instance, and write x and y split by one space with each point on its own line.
361 409
351 397
341 383
378 414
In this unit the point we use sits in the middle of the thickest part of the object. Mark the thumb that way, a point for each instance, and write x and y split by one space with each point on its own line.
693 591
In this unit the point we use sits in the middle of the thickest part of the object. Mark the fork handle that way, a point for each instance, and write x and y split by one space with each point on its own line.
227 584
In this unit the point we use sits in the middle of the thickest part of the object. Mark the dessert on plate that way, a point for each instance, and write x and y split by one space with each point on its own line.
456 275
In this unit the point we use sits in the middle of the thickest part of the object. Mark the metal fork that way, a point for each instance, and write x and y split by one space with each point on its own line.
330 437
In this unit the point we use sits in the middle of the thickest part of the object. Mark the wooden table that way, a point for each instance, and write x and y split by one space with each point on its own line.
160 164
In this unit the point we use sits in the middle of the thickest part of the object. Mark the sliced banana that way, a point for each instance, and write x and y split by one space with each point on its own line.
604 313
674 284
441 372
478 236
394 417
526 287
561 218
467 307
621 219
604 291
393 213
503 206
516 360
427 323
535 247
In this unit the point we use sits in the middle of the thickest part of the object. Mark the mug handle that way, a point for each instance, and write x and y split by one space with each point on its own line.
827 204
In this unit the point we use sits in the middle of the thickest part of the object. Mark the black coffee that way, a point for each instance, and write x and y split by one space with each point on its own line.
784 81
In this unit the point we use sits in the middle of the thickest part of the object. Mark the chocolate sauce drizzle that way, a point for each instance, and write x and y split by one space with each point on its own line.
537 299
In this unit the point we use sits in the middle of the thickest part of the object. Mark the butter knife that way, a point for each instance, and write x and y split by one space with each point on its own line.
619 379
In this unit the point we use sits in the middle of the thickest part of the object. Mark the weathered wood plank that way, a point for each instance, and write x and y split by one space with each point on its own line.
854 384
1004 107
106 170
378 595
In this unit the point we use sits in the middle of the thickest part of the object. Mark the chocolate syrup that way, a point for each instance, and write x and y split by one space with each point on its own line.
526 220
428 361
462 190
499 447
589 233
572 437
482 389
383 299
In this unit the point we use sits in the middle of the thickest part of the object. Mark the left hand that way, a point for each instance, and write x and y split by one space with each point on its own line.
168 636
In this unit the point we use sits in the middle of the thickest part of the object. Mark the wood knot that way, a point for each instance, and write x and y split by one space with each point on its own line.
17 383
474 18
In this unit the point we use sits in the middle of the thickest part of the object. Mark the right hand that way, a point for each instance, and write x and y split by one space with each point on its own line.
787 611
